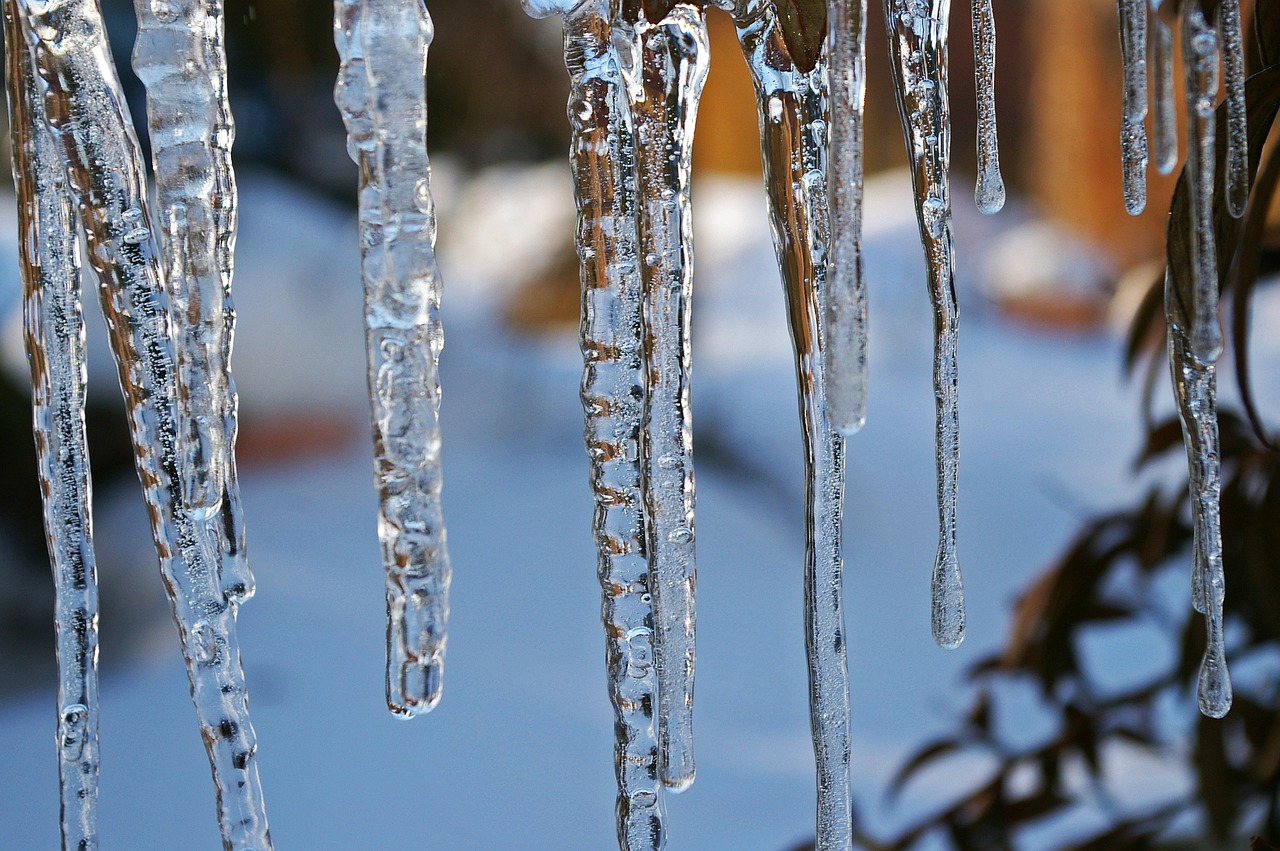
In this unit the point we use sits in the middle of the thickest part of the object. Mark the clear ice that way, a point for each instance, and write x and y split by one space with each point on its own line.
918 44
793 112
846 297
664 65
1233 74
1200 64
989 195
94 136
54 334
180 57
1164 102
602 155
381 93
1133 128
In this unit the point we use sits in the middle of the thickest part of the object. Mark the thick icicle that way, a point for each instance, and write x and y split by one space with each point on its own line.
918 43
50 262
94 135
1164 101
382 97
793 117
1133 128
664 66
1233 74
180 58
1200 61
846 301
603 158
1195 387
989 195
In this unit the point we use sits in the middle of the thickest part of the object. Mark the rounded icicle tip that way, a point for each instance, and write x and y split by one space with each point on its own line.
1214 692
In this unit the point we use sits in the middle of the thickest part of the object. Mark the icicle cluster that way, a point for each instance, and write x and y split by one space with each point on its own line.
1211 54
71 118
382 97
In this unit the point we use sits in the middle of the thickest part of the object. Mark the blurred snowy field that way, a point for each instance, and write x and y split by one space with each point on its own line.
518 755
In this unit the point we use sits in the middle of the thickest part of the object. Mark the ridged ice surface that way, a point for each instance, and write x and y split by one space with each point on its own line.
1233 74
602 155
1200 63
918 44
1133 128
664 65
794 112
54 333
382 96
180 58
1164 101
990 194
1194 384
846 297
91 124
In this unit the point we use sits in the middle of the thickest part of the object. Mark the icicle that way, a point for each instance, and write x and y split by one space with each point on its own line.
918 42
50 263
180 58
989 195
380 91
1195 387
94 135
603 159
1133 129
846 302
1200 61
1237 111
793 128
664 65
1166 115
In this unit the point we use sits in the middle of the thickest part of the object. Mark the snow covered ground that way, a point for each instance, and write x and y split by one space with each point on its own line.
518 755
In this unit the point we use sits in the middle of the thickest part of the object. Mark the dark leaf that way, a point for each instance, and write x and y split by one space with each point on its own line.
921 758
1266 31
656 10
1162 438
804 27
1214 778
1146 331
1257 843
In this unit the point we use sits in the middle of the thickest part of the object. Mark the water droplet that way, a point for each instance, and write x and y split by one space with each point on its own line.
204 643
680 535
164 10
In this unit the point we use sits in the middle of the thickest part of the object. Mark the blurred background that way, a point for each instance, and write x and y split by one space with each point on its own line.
518 755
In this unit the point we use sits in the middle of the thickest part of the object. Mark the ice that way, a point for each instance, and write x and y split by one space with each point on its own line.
846 301
603 159
918 43
1233 74
1164 101
793 114
49 253
1200 61
382 97
93 133
180 57
1133 129
989 195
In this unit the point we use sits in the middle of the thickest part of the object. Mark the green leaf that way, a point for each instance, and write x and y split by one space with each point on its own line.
804 28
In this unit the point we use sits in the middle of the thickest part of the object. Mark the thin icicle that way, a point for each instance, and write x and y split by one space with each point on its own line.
180 58
793 129
94 135
665 66
1195 387
1237 111
989 195
602 154
380 91
918 42
1200 61
846 302
54 333
1133 128
1165 105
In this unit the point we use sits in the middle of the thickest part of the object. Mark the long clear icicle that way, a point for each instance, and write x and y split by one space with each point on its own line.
1200 63
602 155
94 134
382 96
665 66
990 194
54 333
1233 74
1164 102
180 57
918 43
1133 127
846 301
793 113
